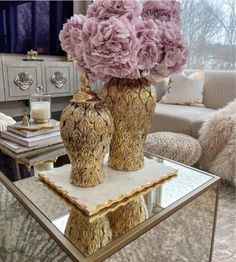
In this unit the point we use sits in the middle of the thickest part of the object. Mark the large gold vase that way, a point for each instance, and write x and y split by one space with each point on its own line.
86 130
132 104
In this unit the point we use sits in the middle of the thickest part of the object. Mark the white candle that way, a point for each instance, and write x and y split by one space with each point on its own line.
41 111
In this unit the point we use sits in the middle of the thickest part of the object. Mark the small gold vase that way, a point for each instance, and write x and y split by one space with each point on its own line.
86 130
132 103
87 236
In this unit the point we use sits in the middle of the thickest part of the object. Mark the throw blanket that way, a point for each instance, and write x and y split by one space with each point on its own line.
5 121
218 141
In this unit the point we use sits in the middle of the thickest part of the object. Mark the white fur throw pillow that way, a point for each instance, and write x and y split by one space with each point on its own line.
185 90
5 121
218 141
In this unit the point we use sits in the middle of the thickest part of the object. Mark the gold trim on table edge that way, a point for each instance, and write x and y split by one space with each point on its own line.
110 205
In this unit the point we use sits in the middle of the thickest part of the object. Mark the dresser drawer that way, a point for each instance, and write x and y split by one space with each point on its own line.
58 78
2 96
21 79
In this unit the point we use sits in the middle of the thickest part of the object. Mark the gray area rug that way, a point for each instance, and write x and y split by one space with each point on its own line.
225 239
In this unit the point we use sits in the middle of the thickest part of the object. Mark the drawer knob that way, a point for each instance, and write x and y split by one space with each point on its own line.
24 80
58 79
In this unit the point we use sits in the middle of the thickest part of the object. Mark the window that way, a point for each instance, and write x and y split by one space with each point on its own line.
209 27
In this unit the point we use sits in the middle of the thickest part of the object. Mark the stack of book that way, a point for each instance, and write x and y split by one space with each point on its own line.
19 141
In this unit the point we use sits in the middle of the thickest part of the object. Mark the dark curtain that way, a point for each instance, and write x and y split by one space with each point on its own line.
26 25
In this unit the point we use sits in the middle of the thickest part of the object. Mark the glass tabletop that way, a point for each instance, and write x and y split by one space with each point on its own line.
21 236
90 236
187 180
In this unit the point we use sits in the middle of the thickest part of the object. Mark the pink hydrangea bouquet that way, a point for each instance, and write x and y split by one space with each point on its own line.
127 39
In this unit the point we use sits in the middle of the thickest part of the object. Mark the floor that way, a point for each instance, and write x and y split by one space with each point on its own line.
225 239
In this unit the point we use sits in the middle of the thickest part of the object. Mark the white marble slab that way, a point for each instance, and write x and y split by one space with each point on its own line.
117 185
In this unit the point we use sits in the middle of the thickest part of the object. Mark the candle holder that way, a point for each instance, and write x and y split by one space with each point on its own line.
40 106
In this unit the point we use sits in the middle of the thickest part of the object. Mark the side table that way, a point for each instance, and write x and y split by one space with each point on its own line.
180 224
31 159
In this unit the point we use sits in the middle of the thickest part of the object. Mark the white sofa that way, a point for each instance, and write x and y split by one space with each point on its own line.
219 90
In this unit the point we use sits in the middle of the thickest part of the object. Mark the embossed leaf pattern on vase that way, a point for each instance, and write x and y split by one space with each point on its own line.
87 236
86 129
127 217
132 104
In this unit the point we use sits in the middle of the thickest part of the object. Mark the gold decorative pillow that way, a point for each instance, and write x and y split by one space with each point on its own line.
185 90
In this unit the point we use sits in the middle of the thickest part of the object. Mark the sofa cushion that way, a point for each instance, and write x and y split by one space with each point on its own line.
197 123
185 90
176 118
219 87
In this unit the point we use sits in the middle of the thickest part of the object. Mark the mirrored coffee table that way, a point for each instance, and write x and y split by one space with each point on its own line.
173 222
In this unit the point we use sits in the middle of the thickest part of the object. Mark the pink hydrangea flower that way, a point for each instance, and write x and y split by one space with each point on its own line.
175 52
81 65
150 51
110 47
163 10
104 9
113 40
70 33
